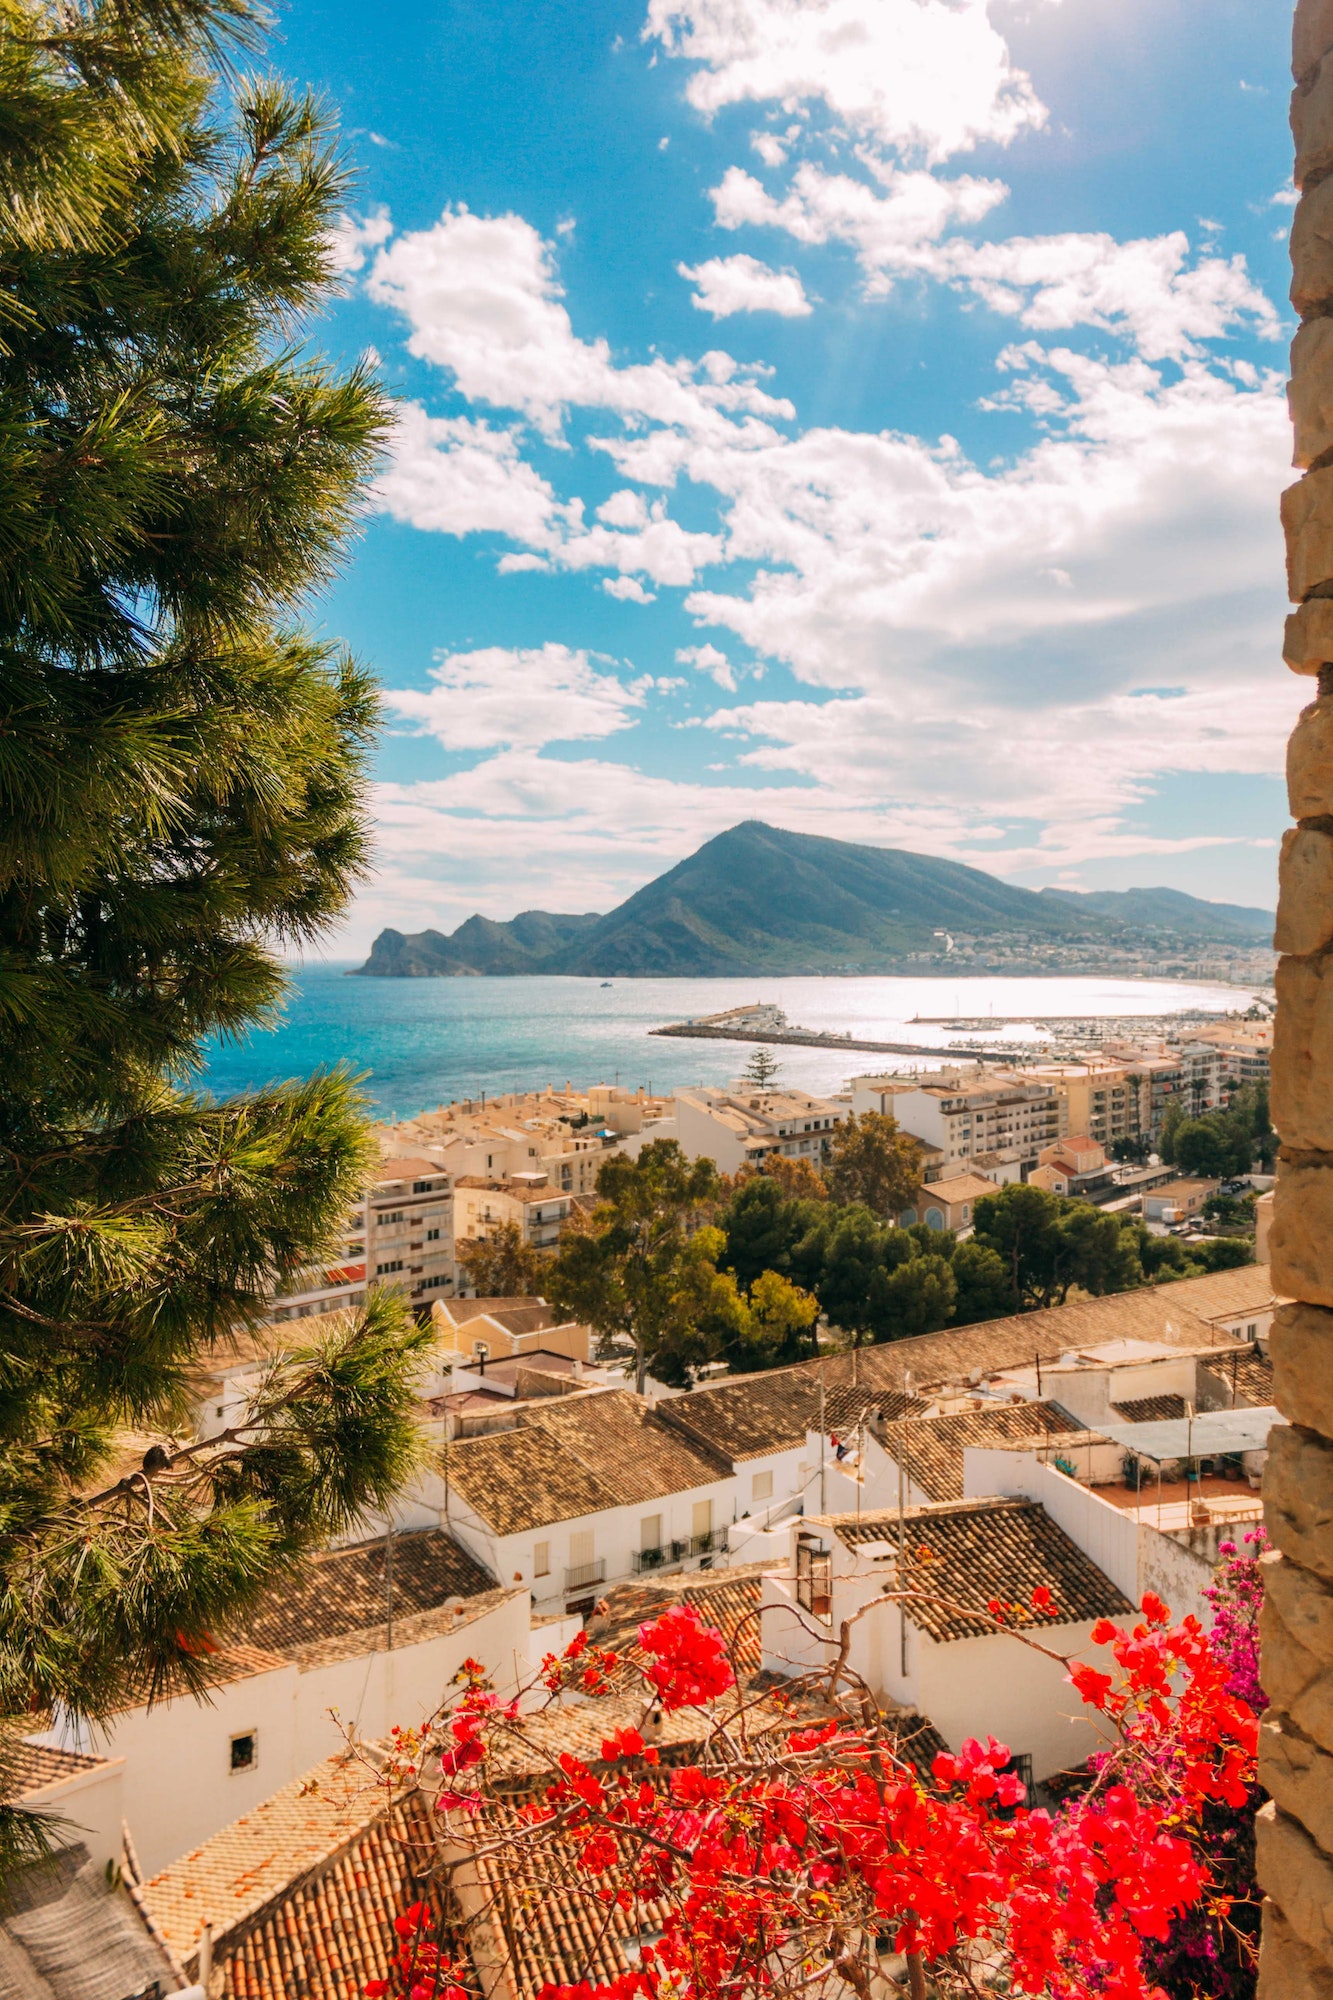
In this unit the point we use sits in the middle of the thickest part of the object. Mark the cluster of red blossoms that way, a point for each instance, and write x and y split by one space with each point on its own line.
784 1857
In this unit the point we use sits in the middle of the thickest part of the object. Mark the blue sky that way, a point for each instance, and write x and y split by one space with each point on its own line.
865 415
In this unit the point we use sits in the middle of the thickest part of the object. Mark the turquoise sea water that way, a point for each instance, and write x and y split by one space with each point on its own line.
424 1041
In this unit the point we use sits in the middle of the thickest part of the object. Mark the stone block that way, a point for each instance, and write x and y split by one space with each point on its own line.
1307 642
1300 1243
1310 755
1292 1866
1311 37
1288 1969
1300 1344
1297 1679
1310 391
1307 517
1312 126
1305 892
1298 1774
1301 1081
1298 1503
1312 250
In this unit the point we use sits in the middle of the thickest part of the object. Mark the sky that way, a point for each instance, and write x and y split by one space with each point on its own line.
862 415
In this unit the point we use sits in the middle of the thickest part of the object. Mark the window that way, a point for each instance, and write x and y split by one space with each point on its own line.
245 1751
761 1486
650 1532
541 1559
814 1579
389 1215
394 1264
702 1518
432 1236
423 1187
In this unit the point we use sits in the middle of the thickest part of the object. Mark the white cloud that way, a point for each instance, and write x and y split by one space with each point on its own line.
893 233
521 698
481 299
742 284
353 237
709 660
1146 289
628 589
924 76
461 476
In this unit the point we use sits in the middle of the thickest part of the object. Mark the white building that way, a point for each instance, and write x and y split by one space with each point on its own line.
584 1490
367 1636
740 1128
930 1655
1000 1122
399 1234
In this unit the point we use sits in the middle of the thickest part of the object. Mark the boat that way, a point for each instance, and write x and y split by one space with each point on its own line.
606 982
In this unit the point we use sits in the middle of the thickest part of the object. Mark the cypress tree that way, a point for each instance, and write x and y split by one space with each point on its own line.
181 775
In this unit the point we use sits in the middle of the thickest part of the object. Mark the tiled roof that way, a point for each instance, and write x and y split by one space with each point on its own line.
233 1877
1248 1372
332 1932
726 1598
958 1187
67 1933
1225 1294
932 1448
33 1766
347 1590
1153 1312
617 1435
524 1478
1146 1409
574 1455
979 1549
752 1415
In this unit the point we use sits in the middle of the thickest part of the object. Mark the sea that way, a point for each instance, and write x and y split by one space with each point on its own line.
420 1042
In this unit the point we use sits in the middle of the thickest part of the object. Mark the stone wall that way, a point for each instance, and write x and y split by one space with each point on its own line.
1296 1745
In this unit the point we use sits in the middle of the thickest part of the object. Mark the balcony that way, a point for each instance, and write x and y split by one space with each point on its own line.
584 1574
643 1560
709 1544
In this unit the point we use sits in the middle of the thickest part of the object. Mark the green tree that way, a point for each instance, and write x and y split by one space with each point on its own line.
873 1163
1172 1119
181 783
1214 1146
1048 1244
982 1281
763 1226
771 1327
502 1265
626 1274
762 1070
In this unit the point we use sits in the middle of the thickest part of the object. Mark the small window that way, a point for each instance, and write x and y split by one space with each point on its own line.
432 1236
390 1215
394 1264
761 1486
245 1751
422 1187
541 1559
221 1410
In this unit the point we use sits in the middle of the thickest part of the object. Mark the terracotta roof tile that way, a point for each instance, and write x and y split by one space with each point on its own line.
524 1478
343 1591
1227 1294
33 1766
726 1598
980 1549
753 1415
933 1447
1146 1409
1249 1372
234 1876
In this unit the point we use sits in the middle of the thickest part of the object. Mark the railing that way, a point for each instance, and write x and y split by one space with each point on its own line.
702 1545
585 1573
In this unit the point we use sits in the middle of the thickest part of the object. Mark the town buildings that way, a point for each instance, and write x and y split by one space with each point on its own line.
997 1123
740 1128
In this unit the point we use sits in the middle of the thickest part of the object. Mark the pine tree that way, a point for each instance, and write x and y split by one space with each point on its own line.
181 771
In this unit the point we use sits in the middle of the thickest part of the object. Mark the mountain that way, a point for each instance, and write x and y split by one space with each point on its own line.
760 899
478 947
1170 910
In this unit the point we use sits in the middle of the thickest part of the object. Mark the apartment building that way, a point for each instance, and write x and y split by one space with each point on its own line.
564 1134
1189 1075
997 1122
739 1128
400 1233
1097 1099
1246 1049
527 1200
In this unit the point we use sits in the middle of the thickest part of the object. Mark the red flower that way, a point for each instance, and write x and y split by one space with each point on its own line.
690 1664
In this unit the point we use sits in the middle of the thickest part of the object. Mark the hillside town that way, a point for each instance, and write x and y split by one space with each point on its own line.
1098 1448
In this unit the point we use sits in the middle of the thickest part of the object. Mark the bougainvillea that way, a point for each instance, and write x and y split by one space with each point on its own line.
800 1848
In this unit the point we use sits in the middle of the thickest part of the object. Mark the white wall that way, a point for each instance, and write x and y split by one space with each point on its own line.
617 1537
87 1807
703 1136
177 1786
